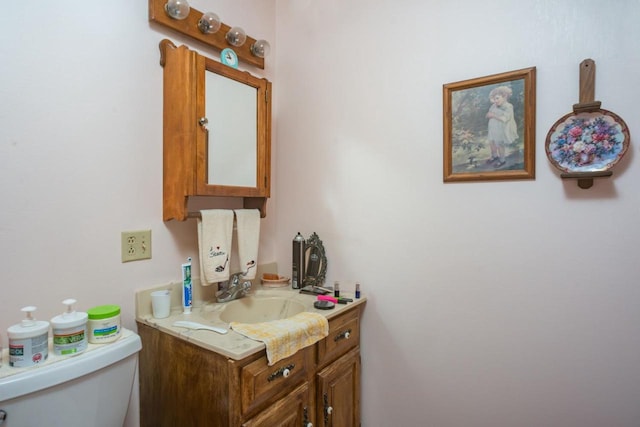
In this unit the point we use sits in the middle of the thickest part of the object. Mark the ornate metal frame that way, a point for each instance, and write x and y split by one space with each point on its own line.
316 259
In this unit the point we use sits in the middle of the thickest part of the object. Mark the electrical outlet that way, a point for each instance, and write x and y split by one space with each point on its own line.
136 245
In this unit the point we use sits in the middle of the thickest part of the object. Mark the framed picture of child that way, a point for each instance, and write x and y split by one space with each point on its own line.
489 127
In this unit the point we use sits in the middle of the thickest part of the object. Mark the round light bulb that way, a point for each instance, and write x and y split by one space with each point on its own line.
177 9
236 36
261 48
209 23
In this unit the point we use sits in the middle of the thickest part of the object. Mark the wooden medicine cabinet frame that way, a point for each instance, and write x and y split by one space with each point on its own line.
185 139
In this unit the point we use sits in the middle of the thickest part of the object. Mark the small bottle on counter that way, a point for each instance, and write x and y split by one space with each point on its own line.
336 289
297 263
357 290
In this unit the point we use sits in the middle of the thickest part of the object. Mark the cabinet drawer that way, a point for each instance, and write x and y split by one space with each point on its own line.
261 382
294 409
344 334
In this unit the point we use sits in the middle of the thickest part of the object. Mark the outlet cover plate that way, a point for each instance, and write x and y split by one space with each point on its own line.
136 245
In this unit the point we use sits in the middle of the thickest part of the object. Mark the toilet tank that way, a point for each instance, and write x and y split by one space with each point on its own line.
90 389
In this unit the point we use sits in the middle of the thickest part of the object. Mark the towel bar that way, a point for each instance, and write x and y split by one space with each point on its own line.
191 215
198 215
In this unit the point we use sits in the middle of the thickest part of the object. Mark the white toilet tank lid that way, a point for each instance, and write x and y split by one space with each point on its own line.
16 382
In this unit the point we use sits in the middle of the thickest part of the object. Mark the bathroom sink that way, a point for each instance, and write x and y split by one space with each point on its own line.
255 310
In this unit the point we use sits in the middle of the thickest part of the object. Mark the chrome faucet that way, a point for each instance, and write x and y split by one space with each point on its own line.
233 289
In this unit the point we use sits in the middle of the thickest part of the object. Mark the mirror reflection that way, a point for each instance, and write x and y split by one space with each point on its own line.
315 261
232 113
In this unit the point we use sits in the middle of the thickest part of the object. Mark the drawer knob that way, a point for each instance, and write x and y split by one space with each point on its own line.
284 372
344 335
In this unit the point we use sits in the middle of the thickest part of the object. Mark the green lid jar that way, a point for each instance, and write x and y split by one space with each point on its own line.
104 324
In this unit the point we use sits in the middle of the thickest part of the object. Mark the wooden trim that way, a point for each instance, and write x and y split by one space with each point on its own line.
179 109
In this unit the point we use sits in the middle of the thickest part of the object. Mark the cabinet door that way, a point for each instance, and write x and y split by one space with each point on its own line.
293 410
338 397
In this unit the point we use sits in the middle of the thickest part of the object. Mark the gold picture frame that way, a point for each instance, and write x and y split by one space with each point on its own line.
489 127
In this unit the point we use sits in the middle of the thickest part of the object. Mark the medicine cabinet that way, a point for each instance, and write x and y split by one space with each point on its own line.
216 132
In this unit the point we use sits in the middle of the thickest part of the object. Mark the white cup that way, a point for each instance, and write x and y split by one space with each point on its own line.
161 304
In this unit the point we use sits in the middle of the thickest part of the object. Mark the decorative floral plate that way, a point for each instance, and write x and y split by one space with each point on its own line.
587 142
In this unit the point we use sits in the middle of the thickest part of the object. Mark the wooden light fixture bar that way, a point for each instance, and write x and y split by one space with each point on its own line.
189 27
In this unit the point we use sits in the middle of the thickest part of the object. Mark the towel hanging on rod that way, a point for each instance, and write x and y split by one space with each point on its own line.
214 242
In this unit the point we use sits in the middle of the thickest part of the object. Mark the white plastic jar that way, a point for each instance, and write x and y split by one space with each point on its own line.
69 331
104 324
28 341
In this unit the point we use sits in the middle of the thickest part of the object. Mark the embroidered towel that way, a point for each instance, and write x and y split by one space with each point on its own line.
215 230
285 337
248 231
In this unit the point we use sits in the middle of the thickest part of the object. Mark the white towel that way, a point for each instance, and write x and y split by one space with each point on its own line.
248 231
215 230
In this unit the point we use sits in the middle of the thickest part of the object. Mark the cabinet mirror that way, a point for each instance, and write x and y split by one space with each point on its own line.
231 118
217 132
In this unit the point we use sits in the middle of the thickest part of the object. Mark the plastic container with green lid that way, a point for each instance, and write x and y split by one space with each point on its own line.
104 324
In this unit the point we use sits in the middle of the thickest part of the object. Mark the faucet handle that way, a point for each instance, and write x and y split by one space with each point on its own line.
233 280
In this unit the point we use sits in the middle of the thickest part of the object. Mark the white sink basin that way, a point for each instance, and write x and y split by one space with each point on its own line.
256 310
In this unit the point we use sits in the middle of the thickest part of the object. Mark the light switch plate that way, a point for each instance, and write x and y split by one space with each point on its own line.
136 245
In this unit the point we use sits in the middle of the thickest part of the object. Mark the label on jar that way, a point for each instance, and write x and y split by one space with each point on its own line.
28 351
103 331
69 341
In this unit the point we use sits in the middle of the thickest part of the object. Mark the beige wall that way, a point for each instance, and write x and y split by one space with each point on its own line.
491 304
500 304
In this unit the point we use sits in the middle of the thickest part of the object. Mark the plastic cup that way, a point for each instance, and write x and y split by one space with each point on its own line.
161 304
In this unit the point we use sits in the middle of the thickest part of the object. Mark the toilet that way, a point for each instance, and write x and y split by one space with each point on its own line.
90 389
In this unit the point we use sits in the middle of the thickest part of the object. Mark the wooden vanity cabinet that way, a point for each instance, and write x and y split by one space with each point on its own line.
184 384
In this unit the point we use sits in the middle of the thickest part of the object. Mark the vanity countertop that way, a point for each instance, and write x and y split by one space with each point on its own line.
232 344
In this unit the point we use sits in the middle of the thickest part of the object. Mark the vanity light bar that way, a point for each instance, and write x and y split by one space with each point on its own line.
189 26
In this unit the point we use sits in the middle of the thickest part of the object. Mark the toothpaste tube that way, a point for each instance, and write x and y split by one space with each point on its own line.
187 287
